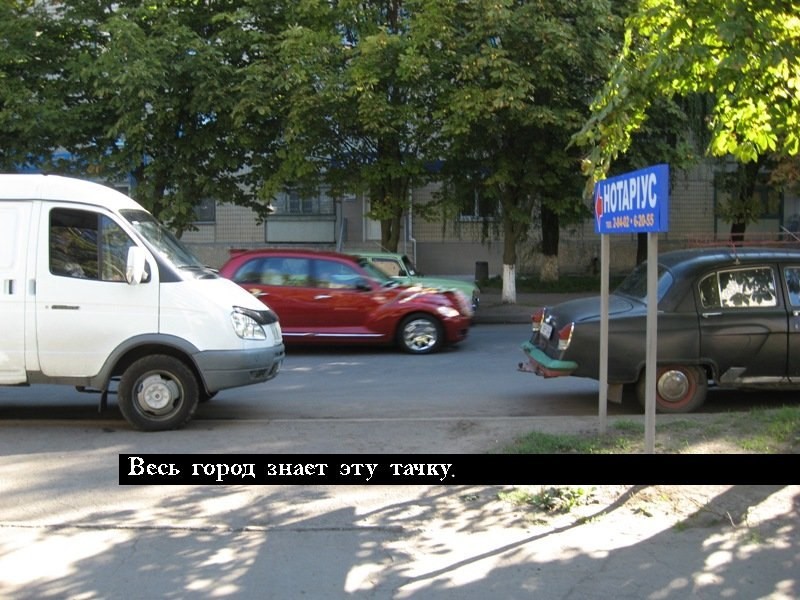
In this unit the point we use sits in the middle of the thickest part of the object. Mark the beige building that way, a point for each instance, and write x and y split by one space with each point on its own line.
456 247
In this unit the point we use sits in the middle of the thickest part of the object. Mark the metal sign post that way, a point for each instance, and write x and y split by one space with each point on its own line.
632 203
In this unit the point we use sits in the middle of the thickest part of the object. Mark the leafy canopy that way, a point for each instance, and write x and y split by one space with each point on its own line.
745 54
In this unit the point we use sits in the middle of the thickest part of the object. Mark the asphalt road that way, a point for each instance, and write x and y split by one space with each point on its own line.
473 380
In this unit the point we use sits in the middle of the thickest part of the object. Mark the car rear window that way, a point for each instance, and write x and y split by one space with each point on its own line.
635 284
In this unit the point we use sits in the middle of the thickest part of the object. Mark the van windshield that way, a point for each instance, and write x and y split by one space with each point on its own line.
162 240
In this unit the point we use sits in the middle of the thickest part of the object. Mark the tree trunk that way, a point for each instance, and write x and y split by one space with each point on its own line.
551 230
509 294
737 232
393 201
746 179
390 233
548 268
641 247
510 234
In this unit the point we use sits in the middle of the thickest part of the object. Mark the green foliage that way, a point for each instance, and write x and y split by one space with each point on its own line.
743 54
141 90
524 73
548 499
353 113
30 53
216 99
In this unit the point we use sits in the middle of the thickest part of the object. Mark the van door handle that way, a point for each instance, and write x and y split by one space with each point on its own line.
706 315
8 287
796 313
322 296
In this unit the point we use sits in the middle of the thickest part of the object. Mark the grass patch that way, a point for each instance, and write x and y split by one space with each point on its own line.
549 499
759 431
536 442
627 426
772 431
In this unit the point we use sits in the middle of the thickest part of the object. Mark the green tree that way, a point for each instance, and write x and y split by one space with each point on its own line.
514 84
744 54
145 91
30 65
351 113
673 133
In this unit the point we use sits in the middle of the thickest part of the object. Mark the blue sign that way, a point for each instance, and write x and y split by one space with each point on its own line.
635 202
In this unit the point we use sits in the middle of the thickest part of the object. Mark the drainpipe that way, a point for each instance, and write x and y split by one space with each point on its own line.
410 228
338 216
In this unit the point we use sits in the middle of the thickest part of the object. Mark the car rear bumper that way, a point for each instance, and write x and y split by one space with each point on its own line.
540 364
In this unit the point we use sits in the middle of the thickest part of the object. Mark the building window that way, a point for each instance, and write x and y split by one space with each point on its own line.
475 206
205 211
293 202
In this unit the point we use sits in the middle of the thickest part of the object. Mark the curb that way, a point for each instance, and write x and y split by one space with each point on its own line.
493 311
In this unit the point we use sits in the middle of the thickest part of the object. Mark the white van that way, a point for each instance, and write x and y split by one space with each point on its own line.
97 294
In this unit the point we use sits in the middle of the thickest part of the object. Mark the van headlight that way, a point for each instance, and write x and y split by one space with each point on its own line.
246 326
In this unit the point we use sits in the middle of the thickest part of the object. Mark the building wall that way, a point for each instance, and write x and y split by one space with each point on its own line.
460 247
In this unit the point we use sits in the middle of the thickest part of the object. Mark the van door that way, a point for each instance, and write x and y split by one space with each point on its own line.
84 306
14 235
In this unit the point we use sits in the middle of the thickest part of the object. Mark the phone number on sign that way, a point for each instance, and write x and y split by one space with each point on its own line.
627 221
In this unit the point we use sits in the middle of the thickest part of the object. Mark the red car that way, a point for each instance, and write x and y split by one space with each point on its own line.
332 298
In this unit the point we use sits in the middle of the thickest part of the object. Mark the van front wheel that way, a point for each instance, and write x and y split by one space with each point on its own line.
158 392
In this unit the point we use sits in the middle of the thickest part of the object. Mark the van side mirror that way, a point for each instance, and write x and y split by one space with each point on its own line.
136 268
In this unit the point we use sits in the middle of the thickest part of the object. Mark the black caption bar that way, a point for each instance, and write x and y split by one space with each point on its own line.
458 469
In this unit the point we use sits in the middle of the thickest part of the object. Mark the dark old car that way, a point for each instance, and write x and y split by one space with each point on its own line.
728 317
332 298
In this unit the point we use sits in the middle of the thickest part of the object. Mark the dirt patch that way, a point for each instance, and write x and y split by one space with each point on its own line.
745 509
741 507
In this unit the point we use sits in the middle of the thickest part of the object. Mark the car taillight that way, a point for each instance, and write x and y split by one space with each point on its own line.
565 336
537 318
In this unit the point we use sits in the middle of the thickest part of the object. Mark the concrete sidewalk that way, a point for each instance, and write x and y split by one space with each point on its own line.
68 531
493 310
